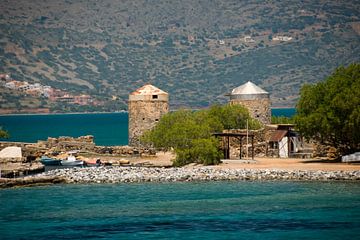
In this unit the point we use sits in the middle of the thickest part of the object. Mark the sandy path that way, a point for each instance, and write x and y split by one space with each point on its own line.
290 164
164 159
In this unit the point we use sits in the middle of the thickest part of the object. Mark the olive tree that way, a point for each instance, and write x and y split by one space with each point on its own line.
189 132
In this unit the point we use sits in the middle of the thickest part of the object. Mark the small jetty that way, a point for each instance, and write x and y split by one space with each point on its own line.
30 181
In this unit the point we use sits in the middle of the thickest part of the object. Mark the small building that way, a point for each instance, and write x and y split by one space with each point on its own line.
282 38
249 39
283 141
146 106
255 99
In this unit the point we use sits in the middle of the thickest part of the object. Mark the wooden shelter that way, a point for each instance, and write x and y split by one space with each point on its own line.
240 136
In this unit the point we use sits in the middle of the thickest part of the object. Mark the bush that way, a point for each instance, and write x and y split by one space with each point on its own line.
203 151
4 133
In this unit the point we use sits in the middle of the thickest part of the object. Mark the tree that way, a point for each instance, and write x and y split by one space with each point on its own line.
3 133
329 111
189 132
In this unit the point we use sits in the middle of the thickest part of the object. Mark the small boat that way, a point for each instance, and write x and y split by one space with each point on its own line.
71 161
94 162
47 161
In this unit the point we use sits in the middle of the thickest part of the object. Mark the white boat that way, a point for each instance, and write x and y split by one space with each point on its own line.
71 161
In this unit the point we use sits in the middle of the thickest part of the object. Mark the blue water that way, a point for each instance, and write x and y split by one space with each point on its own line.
207 210
107 128
286 112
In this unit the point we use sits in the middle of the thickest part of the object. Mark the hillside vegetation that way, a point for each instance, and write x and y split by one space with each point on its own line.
195 50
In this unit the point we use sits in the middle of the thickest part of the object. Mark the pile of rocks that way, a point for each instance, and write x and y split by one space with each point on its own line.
141 174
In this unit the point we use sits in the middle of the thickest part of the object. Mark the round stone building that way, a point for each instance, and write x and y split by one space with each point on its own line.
146 106
255 99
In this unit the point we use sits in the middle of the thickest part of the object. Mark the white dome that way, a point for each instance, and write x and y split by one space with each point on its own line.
248 88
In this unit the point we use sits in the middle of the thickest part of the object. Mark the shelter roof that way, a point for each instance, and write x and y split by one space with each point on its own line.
248 88
278 135
148 89
221 134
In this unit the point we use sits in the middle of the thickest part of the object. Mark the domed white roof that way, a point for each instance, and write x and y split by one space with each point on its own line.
149 89
248 88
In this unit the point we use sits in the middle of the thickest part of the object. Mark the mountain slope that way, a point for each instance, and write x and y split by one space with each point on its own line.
195 50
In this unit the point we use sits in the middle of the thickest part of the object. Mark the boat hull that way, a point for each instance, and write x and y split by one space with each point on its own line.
50 161
72 163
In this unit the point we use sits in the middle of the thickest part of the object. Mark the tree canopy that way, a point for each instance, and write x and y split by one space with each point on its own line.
189 132
329 111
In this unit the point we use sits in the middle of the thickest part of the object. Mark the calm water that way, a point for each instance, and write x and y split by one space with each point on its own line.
209 210
107 128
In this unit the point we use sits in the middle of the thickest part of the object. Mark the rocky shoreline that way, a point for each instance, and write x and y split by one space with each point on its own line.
144 174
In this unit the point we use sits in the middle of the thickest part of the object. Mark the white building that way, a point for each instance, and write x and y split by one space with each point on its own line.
248 39
284 140
282 38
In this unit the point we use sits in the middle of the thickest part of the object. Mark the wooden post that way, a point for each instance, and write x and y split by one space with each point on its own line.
247 139
252 145
228 147
240 147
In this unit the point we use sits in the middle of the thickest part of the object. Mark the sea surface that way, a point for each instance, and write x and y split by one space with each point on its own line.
196 210
108 129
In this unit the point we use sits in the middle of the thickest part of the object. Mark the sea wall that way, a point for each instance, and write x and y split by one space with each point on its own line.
141 174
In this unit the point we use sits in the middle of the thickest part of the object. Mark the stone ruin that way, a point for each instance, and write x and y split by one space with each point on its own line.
87 144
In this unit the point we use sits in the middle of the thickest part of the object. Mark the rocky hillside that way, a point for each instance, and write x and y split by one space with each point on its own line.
195 50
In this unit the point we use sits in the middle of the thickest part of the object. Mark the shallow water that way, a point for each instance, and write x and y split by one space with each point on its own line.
200 210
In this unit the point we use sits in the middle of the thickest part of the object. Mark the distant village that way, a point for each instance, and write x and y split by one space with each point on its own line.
50 93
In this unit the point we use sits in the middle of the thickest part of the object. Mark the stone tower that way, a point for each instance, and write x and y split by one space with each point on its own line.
255 99
146 106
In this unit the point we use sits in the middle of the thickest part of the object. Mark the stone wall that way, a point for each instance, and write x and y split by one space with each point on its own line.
143 116
258 108
32 151
84 143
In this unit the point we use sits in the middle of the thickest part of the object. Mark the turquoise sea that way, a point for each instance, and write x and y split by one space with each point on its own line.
107 128
198 210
